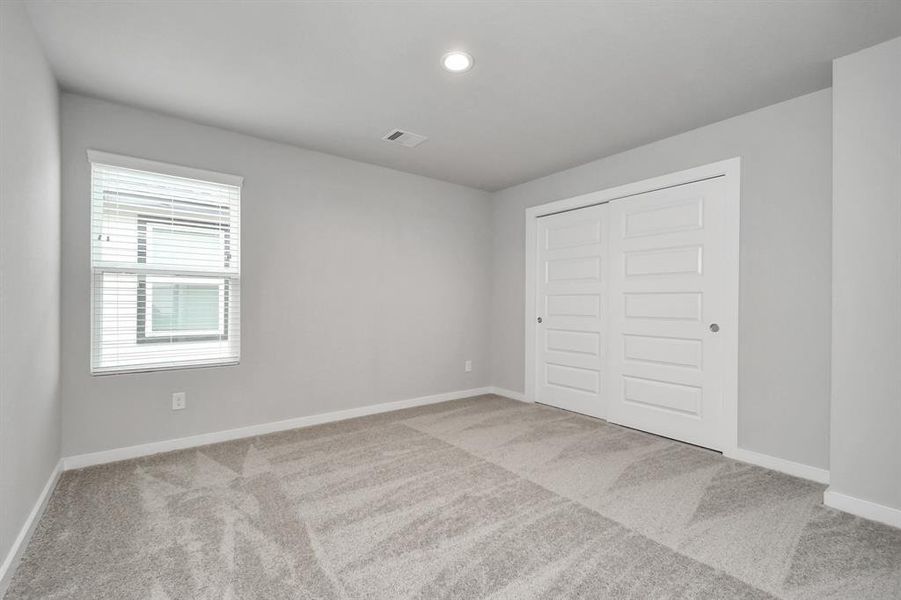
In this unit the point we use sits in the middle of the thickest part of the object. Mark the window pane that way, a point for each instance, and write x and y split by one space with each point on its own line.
185 308
185 246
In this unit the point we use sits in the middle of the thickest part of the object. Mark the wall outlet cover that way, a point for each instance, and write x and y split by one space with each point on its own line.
178 400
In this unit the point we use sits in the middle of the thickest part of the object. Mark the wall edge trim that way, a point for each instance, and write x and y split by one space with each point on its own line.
862 508
79 461
11 561
779 464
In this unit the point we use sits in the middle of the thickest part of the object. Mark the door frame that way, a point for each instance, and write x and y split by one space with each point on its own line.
730 170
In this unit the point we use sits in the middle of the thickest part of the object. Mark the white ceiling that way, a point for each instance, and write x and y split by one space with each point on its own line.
555 84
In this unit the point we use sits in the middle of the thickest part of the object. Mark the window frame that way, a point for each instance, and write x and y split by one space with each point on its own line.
230 279
142 292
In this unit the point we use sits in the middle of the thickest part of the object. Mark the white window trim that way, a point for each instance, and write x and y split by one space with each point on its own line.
142 164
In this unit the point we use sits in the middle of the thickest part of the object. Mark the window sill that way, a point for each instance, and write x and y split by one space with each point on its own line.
150 369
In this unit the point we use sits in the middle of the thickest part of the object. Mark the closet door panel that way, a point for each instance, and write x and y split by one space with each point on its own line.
572 308
665 368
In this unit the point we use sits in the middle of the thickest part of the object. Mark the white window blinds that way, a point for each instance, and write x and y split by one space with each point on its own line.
165 266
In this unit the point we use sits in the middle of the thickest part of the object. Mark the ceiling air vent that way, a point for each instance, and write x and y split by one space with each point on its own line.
404 138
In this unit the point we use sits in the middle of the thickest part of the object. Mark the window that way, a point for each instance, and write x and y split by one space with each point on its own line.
165 266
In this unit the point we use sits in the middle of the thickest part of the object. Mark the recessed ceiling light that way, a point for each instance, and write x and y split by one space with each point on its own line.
456 62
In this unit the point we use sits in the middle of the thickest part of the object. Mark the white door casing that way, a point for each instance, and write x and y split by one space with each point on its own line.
665 368
665 342
572 300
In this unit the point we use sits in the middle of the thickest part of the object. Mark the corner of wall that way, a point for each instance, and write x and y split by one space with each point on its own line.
30 399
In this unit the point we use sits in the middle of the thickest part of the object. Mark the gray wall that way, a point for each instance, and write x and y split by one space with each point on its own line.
29 272
360 285
866 353
784 333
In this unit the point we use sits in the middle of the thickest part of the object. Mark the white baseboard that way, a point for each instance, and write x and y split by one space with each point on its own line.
15 552
508 394
107 456
862 508
779 464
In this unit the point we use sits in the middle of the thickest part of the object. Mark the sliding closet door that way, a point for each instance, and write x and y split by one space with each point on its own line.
572 310
666 363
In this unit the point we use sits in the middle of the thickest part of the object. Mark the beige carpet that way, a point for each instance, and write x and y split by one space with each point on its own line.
477 498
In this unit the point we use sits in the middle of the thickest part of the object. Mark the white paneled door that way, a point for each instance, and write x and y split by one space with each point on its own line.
667 306
572 306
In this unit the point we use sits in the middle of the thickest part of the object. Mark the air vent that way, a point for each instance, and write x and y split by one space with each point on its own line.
404 138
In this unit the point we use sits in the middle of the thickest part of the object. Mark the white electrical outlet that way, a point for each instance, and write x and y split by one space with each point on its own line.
467 366
178 400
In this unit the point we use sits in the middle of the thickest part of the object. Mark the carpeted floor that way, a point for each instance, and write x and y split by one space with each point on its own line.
476 498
